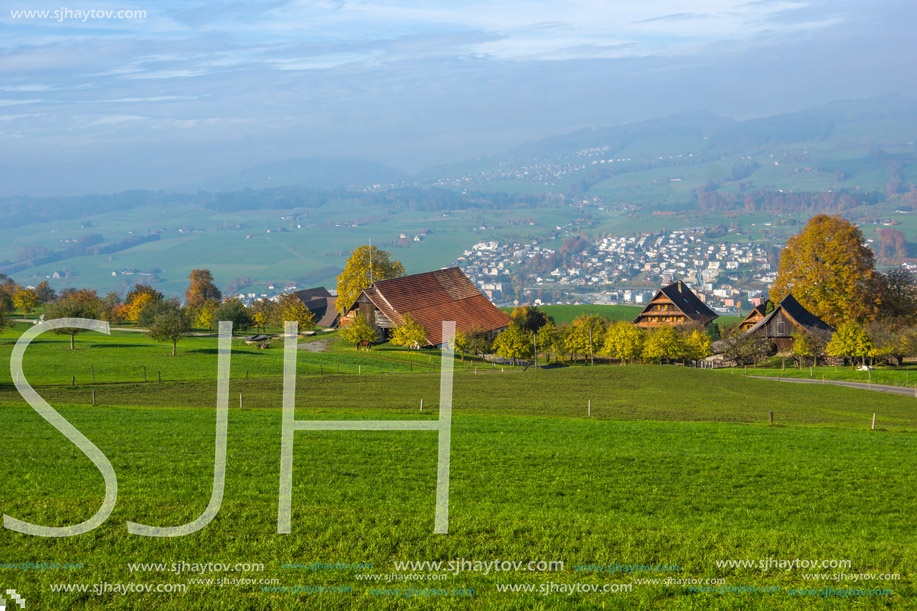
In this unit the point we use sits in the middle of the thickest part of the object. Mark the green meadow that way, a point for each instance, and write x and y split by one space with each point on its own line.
674 466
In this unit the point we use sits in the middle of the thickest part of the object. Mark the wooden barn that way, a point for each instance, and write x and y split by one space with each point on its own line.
321 303
430 298
789 317
753 317
674 305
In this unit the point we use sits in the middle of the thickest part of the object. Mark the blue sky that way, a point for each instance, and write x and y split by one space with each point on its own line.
196 90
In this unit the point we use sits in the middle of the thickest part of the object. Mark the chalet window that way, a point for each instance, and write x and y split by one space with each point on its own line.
780 328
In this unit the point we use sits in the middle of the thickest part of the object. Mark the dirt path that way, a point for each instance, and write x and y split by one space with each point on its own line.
894 390
319 345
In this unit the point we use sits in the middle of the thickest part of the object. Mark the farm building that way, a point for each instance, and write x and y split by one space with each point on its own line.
674 305
430 298
753 317
321 303
789 317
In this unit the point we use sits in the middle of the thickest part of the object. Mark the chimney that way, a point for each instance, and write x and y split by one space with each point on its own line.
679 287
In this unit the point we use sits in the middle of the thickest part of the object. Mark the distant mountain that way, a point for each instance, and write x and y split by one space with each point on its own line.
880 122
307 172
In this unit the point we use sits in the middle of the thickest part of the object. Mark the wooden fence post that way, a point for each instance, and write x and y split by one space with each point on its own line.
589 408
770 418
421 405
93 397
240 400
873 421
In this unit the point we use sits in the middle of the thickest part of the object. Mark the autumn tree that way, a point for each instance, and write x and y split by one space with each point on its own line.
410 334
201 289
26 299
265 312
291 308
141 298
367 264
204 316
359 333
830 271
110 308
807 346
234 311
170 323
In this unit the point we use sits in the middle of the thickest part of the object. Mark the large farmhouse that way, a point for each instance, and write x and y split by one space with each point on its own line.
430 298
789 317
674 305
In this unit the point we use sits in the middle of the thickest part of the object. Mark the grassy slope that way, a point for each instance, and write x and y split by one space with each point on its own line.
661 474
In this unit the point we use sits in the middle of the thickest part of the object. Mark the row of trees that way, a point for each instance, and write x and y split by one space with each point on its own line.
589 336
166 320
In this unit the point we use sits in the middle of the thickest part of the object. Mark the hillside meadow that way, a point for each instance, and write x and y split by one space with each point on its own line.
674 466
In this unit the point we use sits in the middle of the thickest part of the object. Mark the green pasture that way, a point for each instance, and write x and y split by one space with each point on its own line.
674 466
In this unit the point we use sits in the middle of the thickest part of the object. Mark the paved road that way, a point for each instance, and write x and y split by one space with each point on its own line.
893 390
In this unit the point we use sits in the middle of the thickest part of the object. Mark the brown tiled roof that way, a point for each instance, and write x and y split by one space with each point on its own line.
432 297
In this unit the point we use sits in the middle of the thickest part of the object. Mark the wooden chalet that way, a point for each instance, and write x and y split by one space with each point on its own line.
674 305
753 317
430 298
321 303
789 317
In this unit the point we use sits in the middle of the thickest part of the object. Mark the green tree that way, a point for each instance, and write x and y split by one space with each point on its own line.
291 308
170 324
46 294
662 343
898 295
850 340
359 333
830 271
201 289
70 307
367 264
473 341
514 343
234 311
623 341
586 335
530 318
550 338
410 334
696 344
807 346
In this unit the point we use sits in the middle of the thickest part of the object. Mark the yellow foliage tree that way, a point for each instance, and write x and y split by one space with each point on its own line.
830 271
367 264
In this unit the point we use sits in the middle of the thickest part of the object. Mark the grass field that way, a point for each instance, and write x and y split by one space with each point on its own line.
676 466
